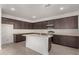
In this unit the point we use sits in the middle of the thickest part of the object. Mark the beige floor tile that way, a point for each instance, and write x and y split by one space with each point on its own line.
17 49
63 50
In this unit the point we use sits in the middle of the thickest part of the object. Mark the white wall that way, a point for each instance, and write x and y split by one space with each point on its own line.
0 28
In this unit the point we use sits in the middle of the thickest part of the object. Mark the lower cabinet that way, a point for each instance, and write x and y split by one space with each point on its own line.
19 38
70 41
49 44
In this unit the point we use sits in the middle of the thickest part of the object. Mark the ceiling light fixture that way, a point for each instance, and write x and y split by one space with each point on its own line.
12 9
33 16
61 8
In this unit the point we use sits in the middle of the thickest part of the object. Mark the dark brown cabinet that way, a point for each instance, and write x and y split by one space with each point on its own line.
62 23
17 24
42 25
22 25
71 41
19 38
66 23
77 42
39 25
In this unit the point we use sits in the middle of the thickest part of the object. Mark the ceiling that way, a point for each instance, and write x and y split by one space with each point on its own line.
27 11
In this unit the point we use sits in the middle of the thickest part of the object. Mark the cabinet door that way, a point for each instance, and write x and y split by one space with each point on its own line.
68 41
66 23
65 40
58 24
56 39
19 38
17 25
43 24
77 42
37 25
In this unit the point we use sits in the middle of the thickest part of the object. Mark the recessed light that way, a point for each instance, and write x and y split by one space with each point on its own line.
33 16
12 9
61 8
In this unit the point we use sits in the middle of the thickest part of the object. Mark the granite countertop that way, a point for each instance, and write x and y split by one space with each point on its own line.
67 34
31 33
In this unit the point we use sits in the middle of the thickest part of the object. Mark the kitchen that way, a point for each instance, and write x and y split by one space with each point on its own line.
62 30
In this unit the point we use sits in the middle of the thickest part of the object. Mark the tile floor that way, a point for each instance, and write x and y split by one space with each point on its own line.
20 49
17 49
63 50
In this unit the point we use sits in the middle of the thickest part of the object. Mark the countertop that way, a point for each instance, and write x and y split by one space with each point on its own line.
67 34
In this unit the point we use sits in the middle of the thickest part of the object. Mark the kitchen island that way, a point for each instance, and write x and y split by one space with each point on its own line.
38 42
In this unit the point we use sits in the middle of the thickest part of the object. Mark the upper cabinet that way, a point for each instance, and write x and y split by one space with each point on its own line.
66 23
17 24
40 25
62 23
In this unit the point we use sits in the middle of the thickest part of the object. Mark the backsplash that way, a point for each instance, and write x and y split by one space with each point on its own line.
58 31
